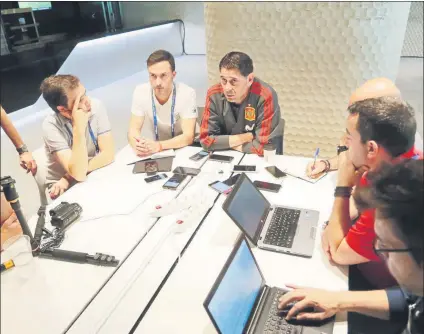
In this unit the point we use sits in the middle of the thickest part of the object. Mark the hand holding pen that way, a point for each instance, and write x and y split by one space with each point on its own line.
315 158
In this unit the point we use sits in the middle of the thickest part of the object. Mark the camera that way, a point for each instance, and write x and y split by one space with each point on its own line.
65 214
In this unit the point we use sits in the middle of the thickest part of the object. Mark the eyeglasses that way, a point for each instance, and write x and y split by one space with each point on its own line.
381 252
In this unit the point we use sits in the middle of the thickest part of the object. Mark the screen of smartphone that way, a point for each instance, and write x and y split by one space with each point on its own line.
242 168
174 181
198 156
275 171
220 187
232 180
155 178
219 157
186 171
267 185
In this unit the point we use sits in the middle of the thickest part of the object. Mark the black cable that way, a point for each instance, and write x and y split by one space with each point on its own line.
54 241
183 44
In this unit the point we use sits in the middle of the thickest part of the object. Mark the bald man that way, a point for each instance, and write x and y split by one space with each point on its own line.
372 88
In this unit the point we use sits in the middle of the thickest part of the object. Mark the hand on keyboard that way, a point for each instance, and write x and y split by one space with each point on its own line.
324 304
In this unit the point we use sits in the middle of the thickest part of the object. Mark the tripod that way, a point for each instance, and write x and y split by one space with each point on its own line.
49 250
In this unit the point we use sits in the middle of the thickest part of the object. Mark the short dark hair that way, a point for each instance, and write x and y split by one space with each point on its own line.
389 121
237 60
159 56
54 89
396 192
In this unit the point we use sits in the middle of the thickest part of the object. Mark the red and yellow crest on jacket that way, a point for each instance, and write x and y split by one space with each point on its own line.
249 113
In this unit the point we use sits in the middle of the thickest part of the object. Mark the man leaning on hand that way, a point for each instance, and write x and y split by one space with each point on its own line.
77 136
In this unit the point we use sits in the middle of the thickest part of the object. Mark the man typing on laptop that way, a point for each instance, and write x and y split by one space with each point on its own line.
396 193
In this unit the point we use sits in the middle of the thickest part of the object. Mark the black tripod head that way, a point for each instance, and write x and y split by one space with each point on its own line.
11 194
8 185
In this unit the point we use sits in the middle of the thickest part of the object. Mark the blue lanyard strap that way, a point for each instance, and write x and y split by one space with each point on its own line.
155 118
93 137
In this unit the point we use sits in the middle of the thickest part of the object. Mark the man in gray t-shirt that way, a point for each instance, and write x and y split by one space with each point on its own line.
77 136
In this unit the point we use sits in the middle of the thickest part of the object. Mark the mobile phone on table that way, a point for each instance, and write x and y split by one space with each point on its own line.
275 171
244 168
221 187
199 156
186 171
267 186
232 180
174 181
221 158
155 178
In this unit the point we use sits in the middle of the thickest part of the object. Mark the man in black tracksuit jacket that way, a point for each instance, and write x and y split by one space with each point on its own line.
241 112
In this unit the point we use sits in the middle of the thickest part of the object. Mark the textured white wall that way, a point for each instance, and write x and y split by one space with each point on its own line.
136 14
313 54
413 45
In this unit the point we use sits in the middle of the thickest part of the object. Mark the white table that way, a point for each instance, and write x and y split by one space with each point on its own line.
120 303
178 308
47 295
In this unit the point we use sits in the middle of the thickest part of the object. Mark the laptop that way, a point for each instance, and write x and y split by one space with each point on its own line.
241 302
272 227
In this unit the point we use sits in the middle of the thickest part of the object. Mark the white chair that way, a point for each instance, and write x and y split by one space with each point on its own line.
40 177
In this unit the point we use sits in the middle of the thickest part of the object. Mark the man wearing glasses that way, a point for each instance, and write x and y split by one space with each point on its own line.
241 112
396 193
169 108
378 130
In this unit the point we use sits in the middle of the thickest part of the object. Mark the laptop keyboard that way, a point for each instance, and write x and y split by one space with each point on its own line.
275 323
282 228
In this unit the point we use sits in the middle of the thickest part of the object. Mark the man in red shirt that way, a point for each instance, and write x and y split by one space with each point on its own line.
377 130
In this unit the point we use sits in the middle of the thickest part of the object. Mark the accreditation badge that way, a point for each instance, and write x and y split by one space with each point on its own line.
249 113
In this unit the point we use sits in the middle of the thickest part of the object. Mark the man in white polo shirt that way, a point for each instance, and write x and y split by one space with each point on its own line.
169 108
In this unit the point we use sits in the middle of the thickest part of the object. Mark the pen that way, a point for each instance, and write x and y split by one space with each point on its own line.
315 158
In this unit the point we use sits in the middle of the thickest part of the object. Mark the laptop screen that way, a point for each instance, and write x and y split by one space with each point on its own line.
235 294
246 206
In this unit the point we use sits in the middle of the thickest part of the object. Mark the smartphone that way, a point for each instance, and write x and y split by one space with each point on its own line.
273 187
232 180
155 178
199 156
174 181
221 187
275 171
186 171
244 168
220 157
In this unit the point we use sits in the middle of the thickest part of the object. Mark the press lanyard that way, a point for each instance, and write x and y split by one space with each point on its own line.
155 118
93 137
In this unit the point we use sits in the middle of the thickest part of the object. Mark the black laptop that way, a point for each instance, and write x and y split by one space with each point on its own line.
240 301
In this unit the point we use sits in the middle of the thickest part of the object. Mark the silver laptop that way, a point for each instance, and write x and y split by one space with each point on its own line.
240 301
272 227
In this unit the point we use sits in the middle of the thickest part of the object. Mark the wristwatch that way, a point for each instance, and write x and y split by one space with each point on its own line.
342 191
341 148
22 149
